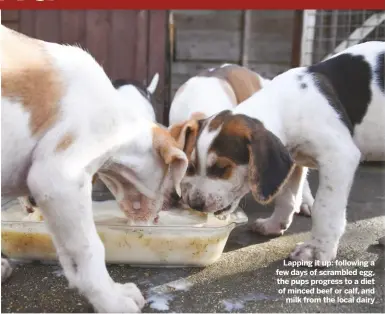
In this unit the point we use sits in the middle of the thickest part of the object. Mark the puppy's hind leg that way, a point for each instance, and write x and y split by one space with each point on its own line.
67 209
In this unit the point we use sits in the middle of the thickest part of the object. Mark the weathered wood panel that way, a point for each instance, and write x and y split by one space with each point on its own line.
158 31
27 22
141 45
10 19
209 38
271 36
205 46
214 36
128 44
48 25
73 29
122 56
217 36
98 28
9 15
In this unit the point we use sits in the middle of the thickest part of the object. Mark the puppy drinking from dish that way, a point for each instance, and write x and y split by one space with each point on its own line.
125 88
73 123
208 93
327 116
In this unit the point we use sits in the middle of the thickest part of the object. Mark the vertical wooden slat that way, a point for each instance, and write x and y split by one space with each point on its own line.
297 36
98 32
156 62
141 42
27 22
122 44
246 37
73 28
48 25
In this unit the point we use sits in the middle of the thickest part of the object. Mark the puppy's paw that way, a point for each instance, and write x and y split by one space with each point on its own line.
305 210
306 204
313 250
269 226
122 298
6 269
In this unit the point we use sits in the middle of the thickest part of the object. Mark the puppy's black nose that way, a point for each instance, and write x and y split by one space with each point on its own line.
197 204
32 201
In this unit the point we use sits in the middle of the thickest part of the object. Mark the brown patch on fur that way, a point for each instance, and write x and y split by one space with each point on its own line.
65 142
28 75
94 178
185 134
222 169
198 116
243 82
165 145
231 141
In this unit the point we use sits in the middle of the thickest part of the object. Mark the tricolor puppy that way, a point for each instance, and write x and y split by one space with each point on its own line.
210 92
327 116
72 123
126 89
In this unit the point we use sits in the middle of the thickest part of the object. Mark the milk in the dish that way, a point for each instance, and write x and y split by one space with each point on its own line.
179 238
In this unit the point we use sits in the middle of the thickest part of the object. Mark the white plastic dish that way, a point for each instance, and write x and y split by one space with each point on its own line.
188 239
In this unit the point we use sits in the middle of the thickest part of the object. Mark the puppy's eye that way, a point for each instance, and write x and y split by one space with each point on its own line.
190 169
219 171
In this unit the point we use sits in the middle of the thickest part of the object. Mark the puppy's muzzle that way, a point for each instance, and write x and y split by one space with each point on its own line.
197 204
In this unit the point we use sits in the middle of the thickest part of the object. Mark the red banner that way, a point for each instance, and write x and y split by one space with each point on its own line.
197 4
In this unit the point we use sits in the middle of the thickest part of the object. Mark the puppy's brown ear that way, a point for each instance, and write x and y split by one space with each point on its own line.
270 164
185 134
172 156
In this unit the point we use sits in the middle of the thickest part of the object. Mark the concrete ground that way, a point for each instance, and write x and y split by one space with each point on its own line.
243 280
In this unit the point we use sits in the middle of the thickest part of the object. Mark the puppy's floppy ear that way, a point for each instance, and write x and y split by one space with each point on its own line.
172 156
186 133
270 164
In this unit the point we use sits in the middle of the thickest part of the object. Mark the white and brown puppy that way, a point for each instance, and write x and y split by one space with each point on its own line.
126 89
72 123
210 92
327 116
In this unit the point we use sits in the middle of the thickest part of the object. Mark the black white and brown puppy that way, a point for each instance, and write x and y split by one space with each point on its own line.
328 116
208 93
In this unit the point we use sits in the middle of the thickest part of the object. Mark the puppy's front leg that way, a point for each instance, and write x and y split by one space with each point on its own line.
67 209
337 168
287 202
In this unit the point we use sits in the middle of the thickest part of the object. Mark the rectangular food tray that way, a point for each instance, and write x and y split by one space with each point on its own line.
154 245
